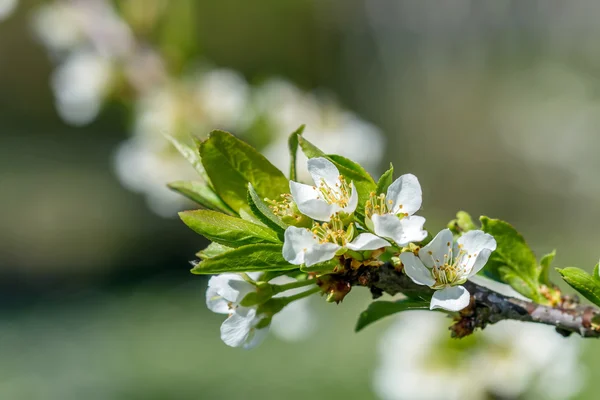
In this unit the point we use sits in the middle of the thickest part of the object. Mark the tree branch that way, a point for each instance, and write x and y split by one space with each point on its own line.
487 306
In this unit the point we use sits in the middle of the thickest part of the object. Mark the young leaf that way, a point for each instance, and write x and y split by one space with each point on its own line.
309 149
263 212
231 164
513 261
381 309
252 257
191 154
213 250
462 223
545 263
226 230
202 194
583 282
385 180
293 146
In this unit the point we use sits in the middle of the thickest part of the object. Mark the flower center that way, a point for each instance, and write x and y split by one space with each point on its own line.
285 209
338 194
449 271
332 232
380 205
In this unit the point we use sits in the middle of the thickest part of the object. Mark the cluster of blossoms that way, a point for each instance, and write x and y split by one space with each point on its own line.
508 360
390 223
325 227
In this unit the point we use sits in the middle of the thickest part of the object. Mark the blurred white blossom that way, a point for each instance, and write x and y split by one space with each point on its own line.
418 360
297 321
146 162
79 85
222 99
64 26
7 7
285 107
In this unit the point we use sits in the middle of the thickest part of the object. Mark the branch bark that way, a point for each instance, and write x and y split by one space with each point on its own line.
486 307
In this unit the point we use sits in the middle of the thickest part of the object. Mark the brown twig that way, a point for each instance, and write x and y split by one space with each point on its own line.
487 306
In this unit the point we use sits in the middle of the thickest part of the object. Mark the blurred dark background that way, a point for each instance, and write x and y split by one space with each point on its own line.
493 105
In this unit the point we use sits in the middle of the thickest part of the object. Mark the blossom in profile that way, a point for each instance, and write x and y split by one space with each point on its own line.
242 327
391 216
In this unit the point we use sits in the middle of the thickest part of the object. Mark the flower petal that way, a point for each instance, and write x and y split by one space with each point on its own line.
414 268
475 241
387 225
480 261
236 328
215 302
295 244
225 289
300 246
353 201
451 298
402 231
412 230
476 247
319 253
309 202
405 194
321 169
256 337
435 251
367 241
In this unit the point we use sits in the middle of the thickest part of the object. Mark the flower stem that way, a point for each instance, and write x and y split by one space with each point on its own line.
293 285
288 300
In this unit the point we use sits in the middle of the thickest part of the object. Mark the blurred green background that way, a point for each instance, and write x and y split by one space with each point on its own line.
493 105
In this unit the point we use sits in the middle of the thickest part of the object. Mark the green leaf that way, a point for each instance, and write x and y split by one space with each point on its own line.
596 273
385 180
227 230
309 149
516 281
252 257
231 164
191 154
545 263
202 194
293 146
513 262
583 282
380 309
262 211
213 250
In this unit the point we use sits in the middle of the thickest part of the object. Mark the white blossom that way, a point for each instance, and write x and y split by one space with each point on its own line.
330 194
284 107
223 296
391 216
419 361
305 246
80 84
247 326
444 267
